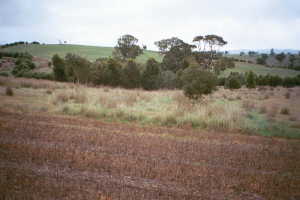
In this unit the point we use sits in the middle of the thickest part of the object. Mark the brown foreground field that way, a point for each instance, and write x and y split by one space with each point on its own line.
47 155
58 157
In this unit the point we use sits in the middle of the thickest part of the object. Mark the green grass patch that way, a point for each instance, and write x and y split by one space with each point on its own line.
260 70
89 52
260 124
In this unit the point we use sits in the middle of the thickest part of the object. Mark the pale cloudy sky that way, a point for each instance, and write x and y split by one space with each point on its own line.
252 24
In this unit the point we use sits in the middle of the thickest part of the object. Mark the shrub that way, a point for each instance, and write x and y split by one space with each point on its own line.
285 111
131 77
111 73
251 80
290 82
287 95
234 81
9 91
274 80
168 80
77 68
58 68
6 74
224 63
150 77
197 82
221 81
22 66
38 75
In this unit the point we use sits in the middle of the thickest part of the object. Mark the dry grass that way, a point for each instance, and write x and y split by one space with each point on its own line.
32 83
168 108
226 110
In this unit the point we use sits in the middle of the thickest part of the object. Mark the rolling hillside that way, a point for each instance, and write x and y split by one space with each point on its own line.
94 52
260 70
89 52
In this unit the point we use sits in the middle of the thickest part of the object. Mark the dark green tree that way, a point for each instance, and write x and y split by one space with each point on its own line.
234 81
175 58
197 82
59 68
168 80
127 47
131 76
151 75
77 68
262 59
250 80
23 65
111 74
165 45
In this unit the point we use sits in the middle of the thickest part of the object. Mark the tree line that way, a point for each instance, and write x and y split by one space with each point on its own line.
251 80
182 66
291 61
18 43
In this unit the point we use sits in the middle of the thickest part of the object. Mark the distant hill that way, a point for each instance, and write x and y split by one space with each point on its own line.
267 51
242 67
89 52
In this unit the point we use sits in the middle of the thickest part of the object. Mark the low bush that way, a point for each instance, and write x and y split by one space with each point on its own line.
38 75
9 91
5 74
285 111
197 82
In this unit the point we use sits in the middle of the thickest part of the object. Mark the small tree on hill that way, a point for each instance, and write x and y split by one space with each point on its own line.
59 68
127 47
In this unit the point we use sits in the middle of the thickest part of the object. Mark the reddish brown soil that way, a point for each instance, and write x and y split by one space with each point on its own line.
58 157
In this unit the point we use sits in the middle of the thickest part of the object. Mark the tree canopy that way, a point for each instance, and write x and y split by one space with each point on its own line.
127 47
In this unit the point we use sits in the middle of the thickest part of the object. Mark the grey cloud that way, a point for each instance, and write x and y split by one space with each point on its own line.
245 24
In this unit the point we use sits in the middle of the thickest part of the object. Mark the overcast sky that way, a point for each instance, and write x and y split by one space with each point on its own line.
251 24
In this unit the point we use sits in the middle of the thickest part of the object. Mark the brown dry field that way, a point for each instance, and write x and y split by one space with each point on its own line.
61 157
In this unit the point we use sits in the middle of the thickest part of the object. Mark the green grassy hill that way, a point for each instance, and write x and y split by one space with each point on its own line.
94 52
260 70
89 52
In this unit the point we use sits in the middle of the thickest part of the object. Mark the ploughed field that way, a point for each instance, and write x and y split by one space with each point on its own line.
61 157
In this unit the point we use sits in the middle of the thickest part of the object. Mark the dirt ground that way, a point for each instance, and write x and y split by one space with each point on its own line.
57 157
